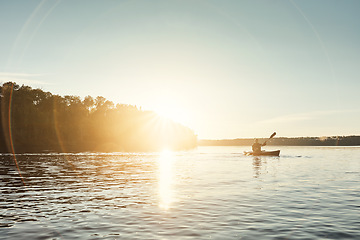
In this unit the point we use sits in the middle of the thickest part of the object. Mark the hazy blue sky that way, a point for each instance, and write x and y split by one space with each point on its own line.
230 68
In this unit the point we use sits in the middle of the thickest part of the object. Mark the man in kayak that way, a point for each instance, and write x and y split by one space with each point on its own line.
256 147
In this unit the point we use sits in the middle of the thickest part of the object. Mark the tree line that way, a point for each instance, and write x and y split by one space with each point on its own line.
283 141
33 120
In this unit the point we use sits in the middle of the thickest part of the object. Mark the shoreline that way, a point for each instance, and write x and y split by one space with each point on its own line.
353 140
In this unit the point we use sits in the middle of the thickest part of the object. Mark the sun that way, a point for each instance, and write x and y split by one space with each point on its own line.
173 113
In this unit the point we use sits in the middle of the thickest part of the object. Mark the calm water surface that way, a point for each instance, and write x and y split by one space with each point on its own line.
206 193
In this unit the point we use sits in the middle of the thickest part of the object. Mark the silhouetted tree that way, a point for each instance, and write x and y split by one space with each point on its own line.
33 120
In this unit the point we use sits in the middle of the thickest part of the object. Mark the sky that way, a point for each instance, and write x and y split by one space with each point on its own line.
224 68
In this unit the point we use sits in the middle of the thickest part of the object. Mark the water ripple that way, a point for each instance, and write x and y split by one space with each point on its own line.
208 193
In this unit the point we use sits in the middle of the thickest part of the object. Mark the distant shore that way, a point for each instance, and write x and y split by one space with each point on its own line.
287 141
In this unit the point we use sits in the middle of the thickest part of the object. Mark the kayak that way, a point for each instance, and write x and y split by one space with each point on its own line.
264 153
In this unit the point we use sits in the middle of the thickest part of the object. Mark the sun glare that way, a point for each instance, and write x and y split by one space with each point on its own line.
173 113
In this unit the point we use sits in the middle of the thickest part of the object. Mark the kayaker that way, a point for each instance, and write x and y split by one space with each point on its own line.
256 147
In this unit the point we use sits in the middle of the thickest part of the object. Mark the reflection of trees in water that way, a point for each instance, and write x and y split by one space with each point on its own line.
69 182
120 168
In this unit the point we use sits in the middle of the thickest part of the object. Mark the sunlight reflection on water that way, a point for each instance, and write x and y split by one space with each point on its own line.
165 176
207 193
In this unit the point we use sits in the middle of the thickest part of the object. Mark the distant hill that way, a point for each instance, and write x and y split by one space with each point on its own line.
284 141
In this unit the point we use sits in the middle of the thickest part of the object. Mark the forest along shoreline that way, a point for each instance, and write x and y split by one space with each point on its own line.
284 141
34 121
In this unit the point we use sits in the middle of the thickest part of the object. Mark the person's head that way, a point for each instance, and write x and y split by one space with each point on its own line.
256 140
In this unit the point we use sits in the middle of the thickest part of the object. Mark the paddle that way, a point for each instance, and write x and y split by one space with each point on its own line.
272 135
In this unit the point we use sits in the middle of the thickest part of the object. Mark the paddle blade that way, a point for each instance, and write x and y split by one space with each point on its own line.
272 135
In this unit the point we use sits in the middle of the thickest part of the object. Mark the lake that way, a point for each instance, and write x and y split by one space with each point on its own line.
205 193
